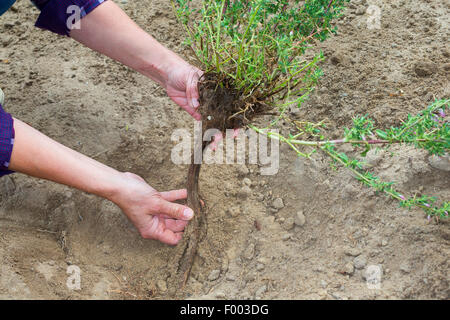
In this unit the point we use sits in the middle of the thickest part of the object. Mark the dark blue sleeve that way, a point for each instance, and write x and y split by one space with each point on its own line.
58 15
6 141
5 5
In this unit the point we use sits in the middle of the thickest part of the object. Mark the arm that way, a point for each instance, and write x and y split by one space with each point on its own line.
153 213
108 30
104 27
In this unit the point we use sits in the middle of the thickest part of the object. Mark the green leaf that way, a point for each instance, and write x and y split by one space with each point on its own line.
381 134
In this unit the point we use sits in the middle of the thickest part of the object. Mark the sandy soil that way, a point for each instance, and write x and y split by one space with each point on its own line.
318 245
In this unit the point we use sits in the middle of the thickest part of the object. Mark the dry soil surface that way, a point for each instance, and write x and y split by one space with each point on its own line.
317 243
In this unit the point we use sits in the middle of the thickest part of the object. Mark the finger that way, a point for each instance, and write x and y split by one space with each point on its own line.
174 195
183 103
197 116
157 230
175 225
235 133
169 237
192 88
189 81
174 210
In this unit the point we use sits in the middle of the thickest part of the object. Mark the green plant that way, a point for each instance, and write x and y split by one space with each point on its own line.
255 47
428 130
253 54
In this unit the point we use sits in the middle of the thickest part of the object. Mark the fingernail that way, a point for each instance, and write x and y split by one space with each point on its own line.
188 213
195 103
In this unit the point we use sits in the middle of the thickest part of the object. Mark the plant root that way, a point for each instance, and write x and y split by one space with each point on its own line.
193 229
221 107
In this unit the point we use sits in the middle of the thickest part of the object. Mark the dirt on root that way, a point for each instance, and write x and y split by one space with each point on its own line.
307 232
219 103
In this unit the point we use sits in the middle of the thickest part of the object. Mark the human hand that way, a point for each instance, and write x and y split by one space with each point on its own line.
181 87
110 31
153 213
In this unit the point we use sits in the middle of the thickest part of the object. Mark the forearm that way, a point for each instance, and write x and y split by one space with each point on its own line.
108 30
37 155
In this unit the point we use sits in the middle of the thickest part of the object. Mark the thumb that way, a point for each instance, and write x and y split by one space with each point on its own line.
175 210
192 87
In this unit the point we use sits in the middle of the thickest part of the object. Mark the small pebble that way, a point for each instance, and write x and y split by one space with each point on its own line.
278 203
360 262
288 224
214 275
242 170
286 237
360 11
404 267
234 211
300 219
245 192
260 197
250 251
353 252
349 268
262 260
230 277
273 210
162 285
